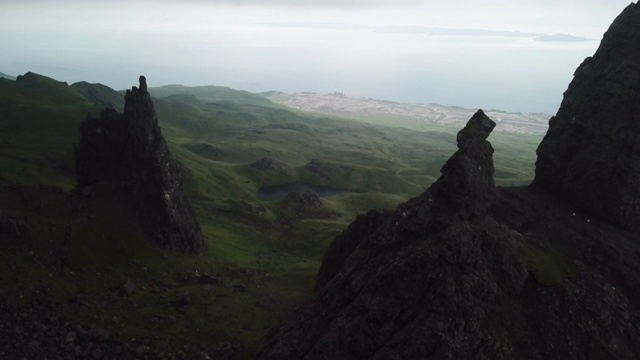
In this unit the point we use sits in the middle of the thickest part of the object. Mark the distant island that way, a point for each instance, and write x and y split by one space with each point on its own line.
438 31
560 38
479 32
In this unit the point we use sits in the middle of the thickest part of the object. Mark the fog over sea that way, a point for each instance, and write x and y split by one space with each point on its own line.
255 50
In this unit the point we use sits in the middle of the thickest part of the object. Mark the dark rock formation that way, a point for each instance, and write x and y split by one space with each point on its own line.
468 271
128 149
466 187
43 330
422 281
346 243
11 224
591 153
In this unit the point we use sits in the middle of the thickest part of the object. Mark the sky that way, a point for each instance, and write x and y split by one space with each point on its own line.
383 49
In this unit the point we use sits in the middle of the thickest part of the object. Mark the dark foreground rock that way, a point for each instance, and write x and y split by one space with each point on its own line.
128 149
468 271
11 224
342 247
421 281
41 330
591 154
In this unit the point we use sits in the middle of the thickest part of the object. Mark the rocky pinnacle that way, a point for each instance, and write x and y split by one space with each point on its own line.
128 150
416 282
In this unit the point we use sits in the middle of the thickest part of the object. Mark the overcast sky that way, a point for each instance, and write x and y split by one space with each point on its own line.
312 45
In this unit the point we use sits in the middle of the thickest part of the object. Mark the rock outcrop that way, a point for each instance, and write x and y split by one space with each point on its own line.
342 247
11 224
465 271
128 150
591 153
424 280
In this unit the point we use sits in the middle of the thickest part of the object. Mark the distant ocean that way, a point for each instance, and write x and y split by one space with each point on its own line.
490 72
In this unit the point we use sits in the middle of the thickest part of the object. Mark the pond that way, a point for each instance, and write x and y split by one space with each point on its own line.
277 192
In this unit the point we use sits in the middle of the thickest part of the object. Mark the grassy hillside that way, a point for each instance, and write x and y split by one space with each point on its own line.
100 94
264 254
211 94
514 156
39 119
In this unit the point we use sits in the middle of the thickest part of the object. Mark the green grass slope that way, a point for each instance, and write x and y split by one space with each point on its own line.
211 94
100 94
39 120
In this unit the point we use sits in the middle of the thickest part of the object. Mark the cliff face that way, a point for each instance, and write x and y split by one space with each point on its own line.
128 150
420 281
470 271
591 153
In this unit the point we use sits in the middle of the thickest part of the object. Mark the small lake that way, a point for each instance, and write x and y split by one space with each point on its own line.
277 192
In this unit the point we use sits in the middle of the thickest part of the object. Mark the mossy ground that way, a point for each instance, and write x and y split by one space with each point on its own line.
549 267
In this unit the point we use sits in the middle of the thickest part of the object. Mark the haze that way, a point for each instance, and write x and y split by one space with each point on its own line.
379 49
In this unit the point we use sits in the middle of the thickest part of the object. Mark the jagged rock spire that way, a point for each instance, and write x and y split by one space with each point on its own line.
466 186
143 84
591 153
417 282
128 149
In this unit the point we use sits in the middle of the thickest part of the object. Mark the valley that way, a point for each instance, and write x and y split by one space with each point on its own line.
203 222
260 257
